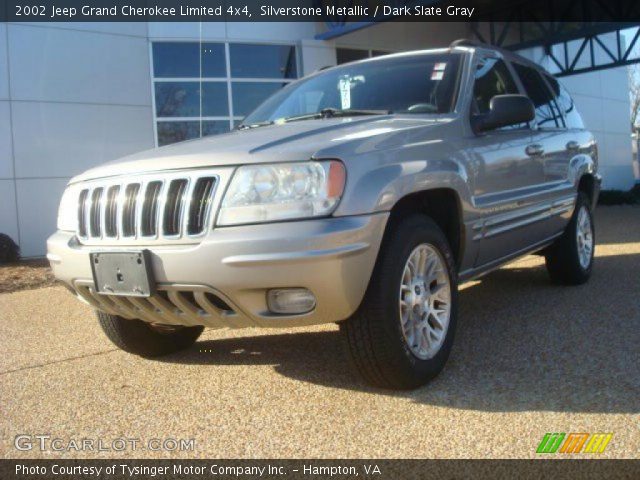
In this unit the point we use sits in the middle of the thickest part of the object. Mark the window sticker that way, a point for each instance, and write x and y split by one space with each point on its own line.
345 92
438 71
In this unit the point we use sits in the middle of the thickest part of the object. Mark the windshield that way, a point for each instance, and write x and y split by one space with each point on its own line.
423 83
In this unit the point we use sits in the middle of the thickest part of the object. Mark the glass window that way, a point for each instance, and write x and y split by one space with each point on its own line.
215 101
263 61
177 99
377 53
172 132
423 84
248 95
492 78
175 59
180 59
182 99
565 103
345 55
191 84
214 127
214 63
547 113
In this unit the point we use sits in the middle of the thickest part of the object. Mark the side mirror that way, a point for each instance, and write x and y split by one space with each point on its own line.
504 110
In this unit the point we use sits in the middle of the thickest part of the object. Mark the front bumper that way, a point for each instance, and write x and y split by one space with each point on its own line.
223 280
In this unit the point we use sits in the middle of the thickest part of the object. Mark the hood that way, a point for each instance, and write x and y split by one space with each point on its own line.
295 141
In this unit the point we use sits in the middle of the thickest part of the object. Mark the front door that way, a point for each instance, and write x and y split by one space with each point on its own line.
506 165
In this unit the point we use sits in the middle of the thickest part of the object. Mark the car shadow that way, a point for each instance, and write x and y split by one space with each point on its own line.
522 344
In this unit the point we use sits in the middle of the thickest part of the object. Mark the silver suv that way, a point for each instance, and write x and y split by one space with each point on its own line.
362 194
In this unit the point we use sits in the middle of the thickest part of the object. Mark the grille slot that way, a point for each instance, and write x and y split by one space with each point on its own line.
149 220
111 212
144 208
82 217
176 305
129 210
200 203
96 213
173 207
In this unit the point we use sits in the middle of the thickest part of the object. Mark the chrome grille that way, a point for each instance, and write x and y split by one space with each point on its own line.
82 217
200 205
111 212
129 210
149 219
169 206
172 217
95 224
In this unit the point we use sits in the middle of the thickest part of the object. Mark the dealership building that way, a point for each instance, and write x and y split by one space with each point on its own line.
75 95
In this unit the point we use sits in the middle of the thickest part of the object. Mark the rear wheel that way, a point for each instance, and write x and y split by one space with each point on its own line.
570 259
145 339
402 334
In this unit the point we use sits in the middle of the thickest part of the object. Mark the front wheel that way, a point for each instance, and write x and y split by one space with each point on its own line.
145 339
402 334
570 259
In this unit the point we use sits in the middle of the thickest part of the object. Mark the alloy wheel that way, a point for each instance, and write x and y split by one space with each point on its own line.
584 237
425 301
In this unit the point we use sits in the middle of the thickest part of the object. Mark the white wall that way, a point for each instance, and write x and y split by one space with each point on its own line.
72 96
603 100
233 31
8 212
398 36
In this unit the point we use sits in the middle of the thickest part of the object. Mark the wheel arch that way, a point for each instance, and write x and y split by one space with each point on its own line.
443 206
583 173
588 185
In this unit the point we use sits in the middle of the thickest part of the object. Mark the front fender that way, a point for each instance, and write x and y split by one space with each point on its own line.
377 183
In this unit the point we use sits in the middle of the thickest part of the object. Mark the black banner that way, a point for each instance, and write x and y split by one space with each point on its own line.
293 469
330 11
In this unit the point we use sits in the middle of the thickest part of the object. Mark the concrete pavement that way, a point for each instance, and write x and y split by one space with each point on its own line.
529 358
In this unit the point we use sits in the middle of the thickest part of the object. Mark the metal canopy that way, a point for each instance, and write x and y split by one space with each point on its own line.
566 30
571 47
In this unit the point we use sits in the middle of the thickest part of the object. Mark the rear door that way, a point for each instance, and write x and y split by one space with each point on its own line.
555 146
574 134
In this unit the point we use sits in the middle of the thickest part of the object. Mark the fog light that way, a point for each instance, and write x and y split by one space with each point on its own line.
290 301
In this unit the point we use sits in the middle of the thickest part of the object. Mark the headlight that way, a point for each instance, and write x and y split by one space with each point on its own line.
266 193
68 210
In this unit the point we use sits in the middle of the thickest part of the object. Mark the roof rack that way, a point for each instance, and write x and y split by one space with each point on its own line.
466 42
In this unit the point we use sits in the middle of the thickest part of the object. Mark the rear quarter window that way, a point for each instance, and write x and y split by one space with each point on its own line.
565 103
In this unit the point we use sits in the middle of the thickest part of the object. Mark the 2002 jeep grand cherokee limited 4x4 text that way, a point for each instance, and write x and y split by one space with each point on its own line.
362 194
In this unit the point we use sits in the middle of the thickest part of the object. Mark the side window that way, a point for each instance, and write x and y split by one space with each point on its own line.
565 103
492 78
548 115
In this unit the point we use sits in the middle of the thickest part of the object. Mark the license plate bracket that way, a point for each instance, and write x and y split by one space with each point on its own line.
122 273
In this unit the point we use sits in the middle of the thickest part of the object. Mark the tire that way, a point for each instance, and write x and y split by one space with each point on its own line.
563 258
378 343
140 338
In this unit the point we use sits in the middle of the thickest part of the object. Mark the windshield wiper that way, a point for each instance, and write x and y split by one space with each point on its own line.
243 126
336 112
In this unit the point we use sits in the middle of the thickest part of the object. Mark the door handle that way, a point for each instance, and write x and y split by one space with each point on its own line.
572 145
534 150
